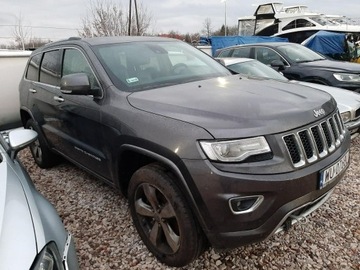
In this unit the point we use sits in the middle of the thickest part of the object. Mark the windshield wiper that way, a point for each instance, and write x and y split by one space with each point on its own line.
308 61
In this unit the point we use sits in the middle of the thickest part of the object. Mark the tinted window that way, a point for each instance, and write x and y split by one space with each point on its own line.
50 68
225 53
266 55
298 24
75 62
32 72
241 52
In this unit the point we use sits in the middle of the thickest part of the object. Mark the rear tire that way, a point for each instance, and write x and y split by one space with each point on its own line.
41 153
163 218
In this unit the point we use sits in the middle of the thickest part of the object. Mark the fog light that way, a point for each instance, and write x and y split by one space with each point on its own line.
243 205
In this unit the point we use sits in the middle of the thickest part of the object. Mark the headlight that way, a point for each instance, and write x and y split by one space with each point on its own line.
345 116
235 150
347 77
48 259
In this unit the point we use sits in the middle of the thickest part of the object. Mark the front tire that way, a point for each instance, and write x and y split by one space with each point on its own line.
41 153
162 217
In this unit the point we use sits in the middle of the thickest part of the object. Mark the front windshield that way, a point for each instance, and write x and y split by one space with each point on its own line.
135 66
255 68
299 54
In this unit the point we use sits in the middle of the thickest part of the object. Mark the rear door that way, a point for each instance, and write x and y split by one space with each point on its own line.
43 81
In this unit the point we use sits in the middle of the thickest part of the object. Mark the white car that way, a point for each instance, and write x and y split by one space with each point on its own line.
348 101
32 235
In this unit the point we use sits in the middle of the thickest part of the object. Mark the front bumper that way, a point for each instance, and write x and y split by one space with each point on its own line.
283 195
349 86
69 257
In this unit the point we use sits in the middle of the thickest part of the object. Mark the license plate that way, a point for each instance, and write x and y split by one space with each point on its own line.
328 175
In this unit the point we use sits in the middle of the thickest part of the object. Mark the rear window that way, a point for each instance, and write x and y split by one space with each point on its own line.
32 72
50 68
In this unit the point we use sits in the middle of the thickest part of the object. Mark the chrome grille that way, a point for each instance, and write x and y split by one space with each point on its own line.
315 142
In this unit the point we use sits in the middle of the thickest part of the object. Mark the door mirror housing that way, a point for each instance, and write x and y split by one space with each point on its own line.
278 65
77 84
19 139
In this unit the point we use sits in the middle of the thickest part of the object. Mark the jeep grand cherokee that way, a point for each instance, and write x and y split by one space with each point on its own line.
204 156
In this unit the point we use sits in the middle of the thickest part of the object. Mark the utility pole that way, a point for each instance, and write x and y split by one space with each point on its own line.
130 18
137 18
224 1
129 29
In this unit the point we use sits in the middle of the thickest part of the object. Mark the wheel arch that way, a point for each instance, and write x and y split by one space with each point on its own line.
130 153
145 157
317 80
25 115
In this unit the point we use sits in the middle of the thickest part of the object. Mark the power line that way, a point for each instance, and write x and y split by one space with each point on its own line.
44 27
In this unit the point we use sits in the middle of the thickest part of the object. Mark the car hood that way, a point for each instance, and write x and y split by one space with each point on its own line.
332 65
347 100
17 239
232 106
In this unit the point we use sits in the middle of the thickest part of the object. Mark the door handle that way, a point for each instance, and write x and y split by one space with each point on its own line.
32 90
59 99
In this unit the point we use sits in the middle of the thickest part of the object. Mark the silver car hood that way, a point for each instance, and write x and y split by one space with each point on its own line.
346 100
17 238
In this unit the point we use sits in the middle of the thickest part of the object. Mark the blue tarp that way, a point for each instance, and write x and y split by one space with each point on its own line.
219 42
326 42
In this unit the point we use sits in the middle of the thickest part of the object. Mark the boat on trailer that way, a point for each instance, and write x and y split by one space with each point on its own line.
296 23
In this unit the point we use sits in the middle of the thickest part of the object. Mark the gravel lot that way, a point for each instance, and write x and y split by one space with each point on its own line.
99 219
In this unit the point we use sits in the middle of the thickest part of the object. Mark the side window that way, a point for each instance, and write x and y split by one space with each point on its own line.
298 24
50 68
266 55
32 72
225 53
75 62
241 52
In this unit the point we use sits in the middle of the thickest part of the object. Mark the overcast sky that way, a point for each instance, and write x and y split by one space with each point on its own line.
59 19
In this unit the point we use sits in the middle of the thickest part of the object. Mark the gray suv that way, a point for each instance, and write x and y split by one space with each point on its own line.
204 156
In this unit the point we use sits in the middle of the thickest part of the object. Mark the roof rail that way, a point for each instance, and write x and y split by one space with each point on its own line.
74 38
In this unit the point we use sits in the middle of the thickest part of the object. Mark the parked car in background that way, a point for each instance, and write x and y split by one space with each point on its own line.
348 101
202 156
12 64
32 235
297 62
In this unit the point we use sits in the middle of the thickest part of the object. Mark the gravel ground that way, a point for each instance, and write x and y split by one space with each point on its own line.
99 219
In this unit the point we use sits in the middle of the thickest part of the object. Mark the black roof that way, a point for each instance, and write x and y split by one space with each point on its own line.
102 40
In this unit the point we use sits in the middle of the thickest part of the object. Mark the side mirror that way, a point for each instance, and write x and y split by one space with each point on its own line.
77 84
20 139
278 65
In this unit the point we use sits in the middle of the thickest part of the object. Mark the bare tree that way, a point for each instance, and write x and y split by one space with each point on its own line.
208 29
106 18
20 32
